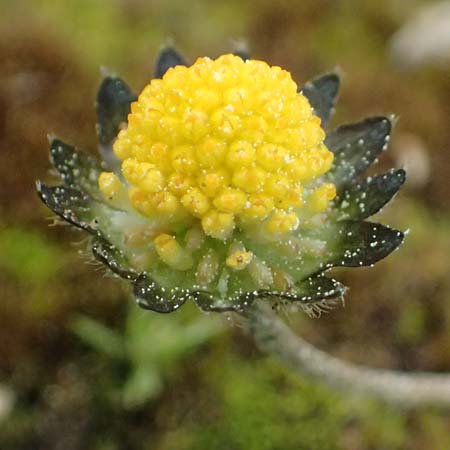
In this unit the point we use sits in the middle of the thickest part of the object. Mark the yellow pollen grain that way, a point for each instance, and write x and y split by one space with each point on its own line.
224 140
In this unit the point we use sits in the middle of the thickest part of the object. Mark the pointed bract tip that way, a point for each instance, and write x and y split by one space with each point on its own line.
393 118
168 57
241 49
105 72
51 138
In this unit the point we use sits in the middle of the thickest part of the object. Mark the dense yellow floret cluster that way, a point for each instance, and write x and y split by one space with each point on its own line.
223 142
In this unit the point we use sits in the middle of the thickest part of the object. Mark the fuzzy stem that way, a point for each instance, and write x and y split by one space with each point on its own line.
407 390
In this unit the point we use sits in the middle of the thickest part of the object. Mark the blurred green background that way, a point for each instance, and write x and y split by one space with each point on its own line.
83 368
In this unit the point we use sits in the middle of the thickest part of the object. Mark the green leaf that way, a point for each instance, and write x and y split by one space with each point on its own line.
144 384
27 255
322 94
98 336
364 199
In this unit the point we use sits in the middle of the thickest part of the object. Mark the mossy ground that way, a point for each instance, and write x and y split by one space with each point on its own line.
221 394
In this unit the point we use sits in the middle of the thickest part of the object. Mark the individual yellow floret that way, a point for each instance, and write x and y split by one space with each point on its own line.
230 200
240 154
272 157
259 206
143 175
255 130
238 98
291 200
152 181
249 179
158 154
140 201
195 124
122 145
225 122
165 203
171 252
183 159
179 183
320 161
217 224
132 170
196 202
277 185
239 259
213 182
320 198
207 99
301 107
281 222
112 188
298 170
211 152
311 132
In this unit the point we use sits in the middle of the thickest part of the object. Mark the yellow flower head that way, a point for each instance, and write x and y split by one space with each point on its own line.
224 143
222 189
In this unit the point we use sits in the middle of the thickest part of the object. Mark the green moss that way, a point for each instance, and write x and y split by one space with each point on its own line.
26 254
412 322
260 406
380 426
119 32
